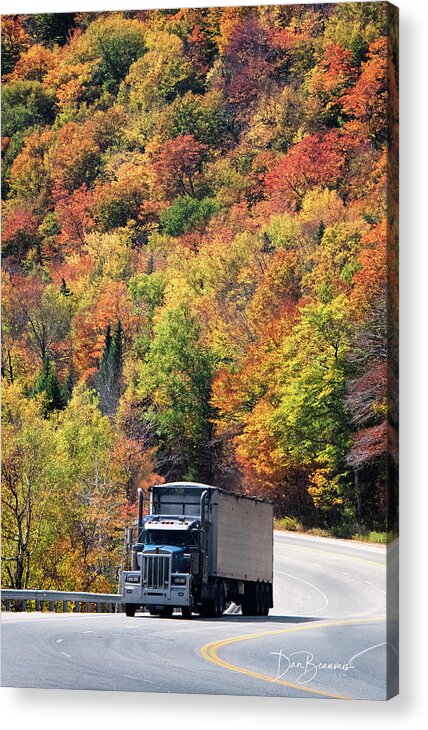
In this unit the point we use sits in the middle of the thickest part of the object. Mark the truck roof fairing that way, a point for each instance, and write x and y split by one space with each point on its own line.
169 522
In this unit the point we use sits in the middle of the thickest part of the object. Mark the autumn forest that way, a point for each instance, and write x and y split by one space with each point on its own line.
199 272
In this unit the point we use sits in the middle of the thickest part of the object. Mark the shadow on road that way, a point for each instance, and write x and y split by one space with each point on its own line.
238 618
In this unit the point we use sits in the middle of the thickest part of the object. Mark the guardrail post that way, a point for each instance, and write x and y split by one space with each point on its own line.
38 602
7 604
64 606
76 606
51 606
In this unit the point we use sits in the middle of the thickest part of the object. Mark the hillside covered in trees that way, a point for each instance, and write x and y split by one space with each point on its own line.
194 271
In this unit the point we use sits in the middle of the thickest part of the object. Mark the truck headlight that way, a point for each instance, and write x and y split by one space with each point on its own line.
132 579
178 580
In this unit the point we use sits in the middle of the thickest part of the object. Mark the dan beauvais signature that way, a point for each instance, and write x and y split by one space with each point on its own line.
303 664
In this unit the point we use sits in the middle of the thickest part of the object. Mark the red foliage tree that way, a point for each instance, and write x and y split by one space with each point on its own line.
336 69
366 101
177 163
317 160
248 70
20 233
74 215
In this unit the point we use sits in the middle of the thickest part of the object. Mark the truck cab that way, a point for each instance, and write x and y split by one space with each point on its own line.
167 556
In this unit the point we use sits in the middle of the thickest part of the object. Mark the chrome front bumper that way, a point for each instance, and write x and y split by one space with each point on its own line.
168 595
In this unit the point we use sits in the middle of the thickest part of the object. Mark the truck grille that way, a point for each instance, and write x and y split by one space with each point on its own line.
156 571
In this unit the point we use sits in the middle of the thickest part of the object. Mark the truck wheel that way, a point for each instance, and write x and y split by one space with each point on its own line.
263 599
249 604
219 599
259 599
130 609
261 605
267 600
186 612
246 609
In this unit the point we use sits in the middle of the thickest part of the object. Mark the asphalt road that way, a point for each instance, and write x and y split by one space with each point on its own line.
326 637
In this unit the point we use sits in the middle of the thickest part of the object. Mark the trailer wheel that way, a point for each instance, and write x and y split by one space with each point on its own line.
219 599
130 609
259 599
263 599
249 604
266 600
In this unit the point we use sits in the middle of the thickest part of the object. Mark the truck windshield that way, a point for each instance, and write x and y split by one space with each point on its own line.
179 538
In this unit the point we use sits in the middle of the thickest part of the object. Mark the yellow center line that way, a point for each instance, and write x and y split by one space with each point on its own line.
331 554
209 652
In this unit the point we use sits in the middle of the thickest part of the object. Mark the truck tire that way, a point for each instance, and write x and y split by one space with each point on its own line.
267 600
259 599
256 599
186 612
130 609
263 599
219 599
249 604
214 607
270 595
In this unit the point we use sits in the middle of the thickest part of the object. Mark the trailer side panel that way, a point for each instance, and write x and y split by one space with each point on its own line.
242 538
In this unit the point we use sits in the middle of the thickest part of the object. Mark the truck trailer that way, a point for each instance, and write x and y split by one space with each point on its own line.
199 549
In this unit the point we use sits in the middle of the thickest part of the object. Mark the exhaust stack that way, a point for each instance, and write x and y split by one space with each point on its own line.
140 513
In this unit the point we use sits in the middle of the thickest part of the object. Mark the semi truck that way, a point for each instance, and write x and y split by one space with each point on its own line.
199 549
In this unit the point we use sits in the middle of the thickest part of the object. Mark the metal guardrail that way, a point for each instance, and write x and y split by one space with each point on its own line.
18 600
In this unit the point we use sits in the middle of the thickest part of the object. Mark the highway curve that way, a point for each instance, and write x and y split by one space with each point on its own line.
326 637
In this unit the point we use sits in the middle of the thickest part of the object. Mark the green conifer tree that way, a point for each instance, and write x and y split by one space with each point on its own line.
47 383
108 381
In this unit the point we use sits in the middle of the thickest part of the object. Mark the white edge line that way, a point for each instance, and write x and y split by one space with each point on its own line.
294 577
